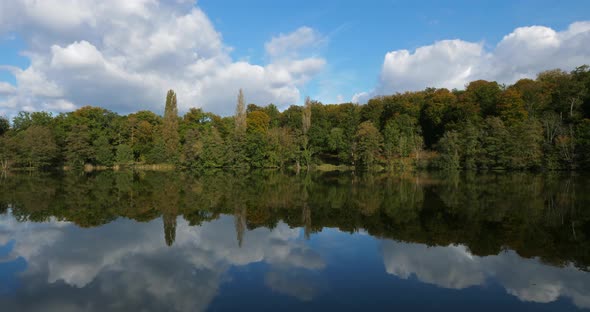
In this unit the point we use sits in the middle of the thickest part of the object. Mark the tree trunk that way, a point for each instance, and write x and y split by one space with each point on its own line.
572 102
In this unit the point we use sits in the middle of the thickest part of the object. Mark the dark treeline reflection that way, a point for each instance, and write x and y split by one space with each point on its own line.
536 215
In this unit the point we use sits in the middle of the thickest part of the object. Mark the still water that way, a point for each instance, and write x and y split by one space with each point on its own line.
153 241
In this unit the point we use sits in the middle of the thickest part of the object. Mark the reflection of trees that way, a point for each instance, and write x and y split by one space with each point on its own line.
306 211
306 220
168 204
240 224
169 228
536 215
531 214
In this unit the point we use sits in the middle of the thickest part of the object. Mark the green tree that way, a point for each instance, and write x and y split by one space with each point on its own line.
372 111
8 152
78 148
402 136
273 113
241 115
511 106
38 147
257 150
338 145
258 122
348 118
237 156
484 94
283 146
432 115
192 147
103 151
449 149
170 134
583 144
535 94
291 118
124 155
368 145
306 117
214 150
525 145
306 152
22 121
470 145
4 125
144 127
495 140
157 155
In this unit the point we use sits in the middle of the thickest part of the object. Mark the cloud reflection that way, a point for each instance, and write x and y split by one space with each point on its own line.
455 267
125 265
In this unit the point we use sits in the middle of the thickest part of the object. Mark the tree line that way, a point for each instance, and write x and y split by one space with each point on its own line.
541 123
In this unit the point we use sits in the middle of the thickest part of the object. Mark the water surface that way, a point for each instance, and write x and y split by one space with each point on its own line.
266 241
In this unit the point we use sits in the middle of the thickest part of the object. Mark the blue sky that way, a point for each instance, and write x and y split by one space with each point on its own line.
361 32
125 55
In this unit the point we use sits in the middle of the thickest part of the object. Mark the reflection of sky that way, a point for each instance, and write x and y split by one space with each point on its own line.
126 266
8 268
454 267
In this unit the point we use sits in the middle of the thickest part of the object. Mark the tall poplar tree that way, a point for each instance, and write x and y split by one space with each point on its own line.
306 116
170 127
237 153
306 124
240 113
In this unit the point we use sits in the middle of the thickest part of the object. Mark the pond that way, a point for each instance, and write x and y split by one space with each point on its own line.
218 241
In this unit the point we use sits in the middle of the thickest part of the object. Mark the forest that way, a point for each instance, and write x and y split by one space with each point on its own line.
540 124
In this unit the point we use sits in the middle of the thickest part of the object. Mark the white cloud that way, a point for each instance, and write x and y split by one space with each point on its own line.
77 55
453 63
52 14
6 88
361 97
59 105
125 55
32 82
291 44
447 63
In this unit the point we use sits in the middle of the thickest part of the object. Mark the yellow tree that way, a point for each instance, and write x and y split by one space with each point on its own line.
511 107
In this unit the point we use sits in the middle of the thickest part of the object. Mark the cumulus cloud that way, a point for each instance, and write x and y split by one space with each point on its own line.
6 88
291 44
455 267
446 63
453 63
125 55
77 55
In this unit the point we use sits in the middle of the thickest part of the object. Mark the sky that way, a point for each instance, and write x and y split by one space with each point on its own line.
59 55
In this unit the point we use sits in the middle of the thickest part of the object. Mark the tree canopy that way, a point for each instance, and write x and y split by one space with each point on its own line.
541 123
